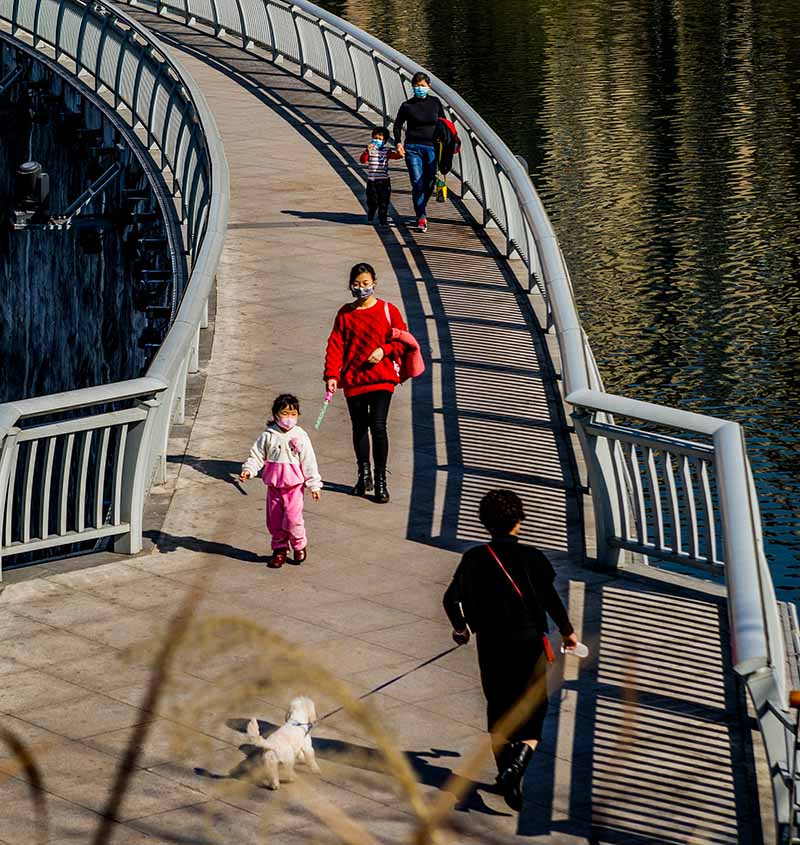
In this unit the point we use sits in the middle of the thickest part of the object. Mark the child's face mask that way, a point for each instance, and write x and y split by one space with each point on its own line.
379 142
421 91
286 423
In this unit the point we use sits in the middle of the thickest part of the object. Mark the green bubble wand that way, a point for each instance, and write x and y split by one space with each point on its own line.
321 417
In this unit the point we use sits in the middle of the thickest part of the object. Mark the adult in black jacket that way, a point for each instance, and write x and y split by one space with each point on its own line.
509 621
419 116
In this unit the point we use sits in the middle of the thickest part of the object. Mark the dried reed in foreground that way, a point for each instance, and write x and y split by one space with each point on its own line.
24 757
276 663
155 687
273 663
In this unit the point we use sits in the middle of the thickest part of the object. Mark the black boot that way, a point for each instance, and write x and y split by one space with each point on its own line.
381 489
500 757
364 483
509 780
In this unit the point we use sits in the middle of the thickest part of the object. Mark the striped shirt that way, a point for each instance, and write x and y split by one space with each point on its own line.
377 161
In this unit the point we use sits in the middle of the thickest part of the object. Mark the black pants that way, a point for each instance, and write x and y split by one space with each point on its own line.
379 191
368 414
511 666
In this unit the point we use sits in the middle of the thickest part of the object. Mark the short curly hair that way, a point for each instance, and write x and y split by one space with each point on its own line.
500 511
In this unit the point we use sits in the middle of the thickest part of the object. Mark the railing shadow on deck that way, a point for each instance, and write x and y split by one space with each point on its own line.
633 754
443 503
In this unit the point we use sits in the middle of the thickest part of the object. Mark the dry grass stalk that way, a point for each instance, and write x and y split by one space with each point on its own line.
155 687
24 757
336 820
459 783
276 663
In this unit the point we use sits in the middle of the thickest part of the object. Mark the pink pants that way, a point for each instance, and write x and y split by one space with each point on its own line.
285 517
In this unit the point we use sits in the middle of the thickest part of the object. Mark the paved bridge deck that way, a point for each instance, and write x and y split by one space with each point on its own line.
644 743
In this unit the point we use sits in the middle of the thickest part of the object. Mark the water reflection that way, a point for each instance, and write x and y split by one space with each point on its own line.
663 138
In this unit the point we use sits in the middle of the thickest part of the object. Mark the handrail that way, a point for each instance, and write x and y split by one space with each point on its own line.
649 497
98 472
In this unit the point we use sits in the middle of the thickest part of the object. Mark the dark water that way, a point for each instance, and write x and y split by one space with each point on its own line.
663 140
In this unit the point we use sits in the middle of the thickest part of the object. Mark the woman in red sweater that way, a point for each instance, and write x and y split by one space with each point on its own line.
362 359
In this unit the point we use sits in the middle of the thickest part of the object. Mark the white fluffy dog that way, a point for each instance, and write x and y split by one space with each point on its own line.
289 744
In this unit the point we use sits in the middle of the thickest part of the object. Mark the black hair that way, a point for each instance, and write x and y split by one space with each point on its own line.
362 267
419 76
380 130
285 400
500 511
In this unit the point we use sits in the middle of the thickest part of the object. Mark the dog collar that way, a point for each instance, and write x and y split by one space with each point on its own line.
306 725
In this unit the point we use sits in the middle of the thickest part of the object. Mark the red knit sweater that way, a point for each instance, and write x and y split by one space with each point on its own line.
356 334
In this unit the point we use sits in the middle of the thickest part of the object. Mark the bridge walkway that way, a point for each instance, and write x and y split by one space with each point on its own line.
644 742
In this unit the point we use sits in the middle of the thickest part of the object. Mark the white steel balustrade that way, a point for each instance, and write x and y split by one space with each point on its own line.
85 475
66 481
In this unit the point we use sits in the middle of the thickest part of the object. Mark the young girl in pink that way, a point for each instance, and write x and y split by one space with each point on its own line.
284 456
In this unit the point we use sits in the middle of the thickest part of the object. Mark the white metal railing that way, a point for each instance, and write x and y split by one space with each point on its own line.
680 488
77 466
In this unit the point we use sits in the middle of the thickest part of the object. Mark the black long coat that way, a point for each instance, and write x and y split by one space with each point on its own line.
508 628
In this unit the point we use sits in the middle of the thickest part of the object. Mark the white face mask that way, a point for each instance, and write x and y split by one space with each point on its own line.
286 423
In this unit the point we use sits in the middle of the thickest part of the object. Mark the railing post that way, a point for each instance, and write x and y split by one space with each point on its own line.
7 452
180 400
473 139
135 482
246 43
604 488
194 359
160 441
384 100
332 86
356 75
218 30
271 27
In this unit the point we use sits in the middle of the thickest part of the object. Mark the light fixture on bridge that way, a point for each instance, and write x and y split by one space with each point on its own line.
32 205
32 195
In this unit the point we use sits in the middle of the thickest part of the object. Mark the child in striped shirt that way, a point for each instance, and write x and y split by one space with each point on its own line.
377 156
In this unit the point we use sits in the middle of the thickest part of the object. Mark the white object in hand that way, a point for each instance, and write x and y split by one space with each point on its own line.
580 650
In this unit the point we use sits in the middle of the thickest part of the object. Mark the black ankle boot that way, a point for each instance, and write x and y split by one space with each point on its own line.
500 757
509 780
364 483
381 489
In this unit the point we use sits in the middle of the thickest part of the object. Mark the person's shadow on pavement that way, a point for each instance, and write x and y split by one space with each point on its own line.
221 470
166 543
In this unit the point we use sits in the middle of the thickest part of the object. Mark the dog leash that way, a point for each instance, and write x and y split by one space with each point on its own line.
392 681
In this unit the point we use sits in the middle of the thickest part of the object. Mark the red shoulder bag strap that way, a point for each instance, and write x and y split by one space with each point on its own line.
545 642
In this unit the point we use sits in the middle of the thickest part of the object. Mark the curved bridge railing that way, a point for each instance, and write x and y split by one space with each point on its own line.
668 483
85 472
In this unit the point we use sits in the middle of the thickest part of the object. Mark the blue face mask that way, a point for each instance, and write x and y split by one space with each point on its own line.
421 91
378 142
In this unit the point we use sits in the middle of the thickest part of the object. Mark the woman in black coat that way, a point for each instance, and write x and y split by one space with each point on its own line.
503 592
